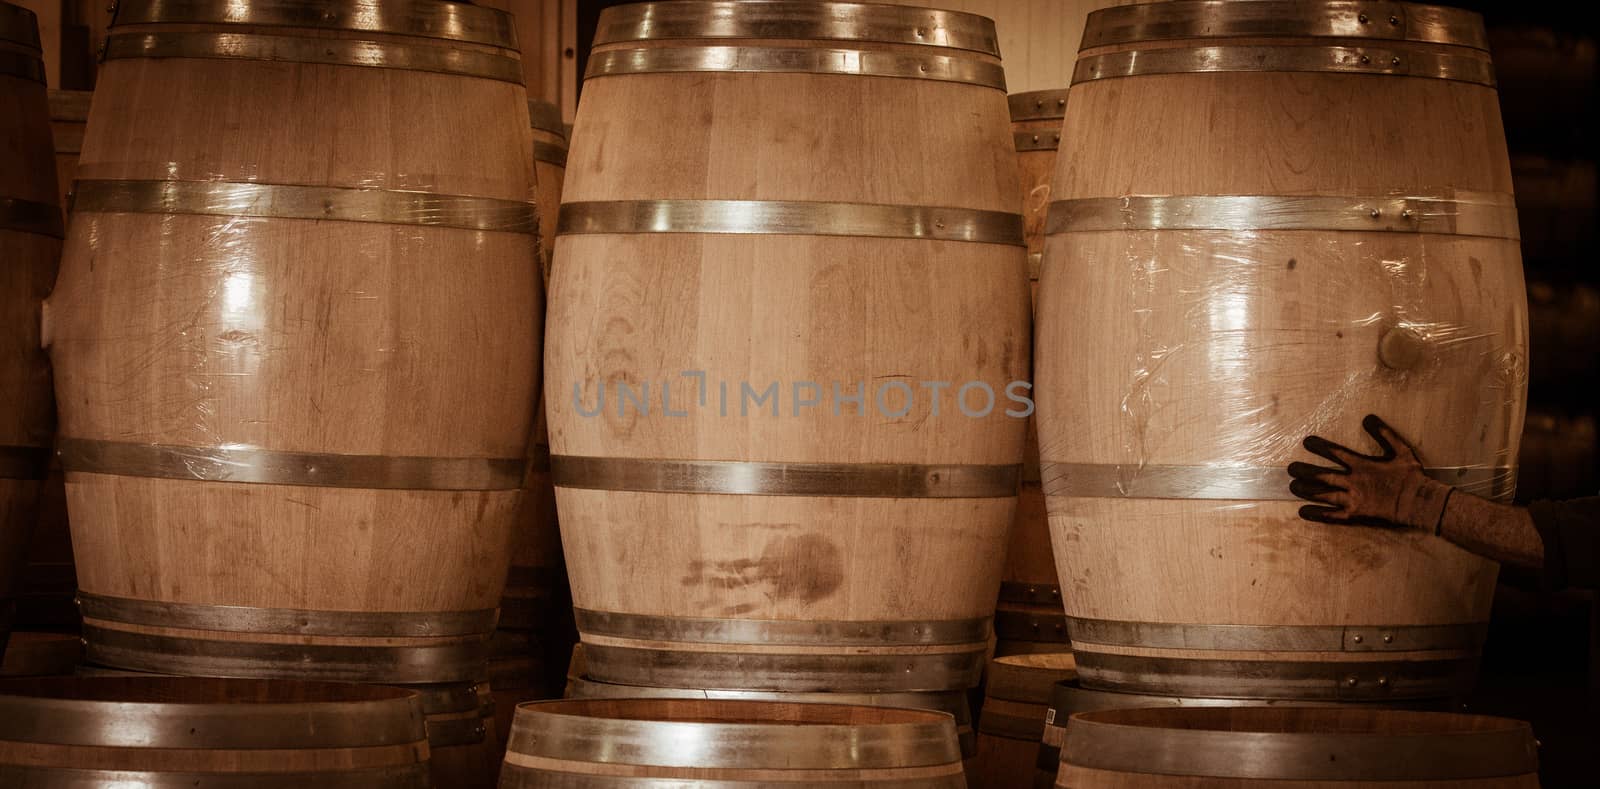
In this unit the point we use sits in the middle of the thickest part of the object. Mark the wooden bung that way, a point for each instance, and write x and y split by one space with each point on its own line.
1257 235
621 743
296 338
30 245
770 220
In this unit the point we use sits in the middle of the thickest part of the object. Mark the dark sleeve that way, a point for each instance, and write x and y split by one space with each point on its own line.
1571 534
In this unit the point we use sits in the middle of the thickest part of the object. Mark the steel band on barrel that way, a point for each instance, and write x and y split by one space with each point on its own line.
1285 18
271 467
286 621
843 672
787 217
328 52
409 776
798 632
1272 679
1329 748
797 60
546 117
1031 594
462 22
748 478
1488 214
1030 626
29 216
1242 483
1038 105
400 665
798 19
1279 638
1475 69
25 463
517 776
22 66
1025 141
550 153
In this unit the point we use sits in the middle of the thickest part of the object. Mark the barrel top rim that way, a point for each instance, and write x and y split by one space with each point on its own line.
428 19
1317 19
546 116
19 25
70 105
797 19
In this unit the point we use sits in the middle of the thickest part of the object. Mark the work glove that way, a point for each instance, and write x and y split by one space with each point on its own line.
1388 489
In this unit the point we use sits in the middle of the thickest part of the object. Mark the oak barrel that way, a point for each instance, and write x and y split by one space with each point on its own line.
69 116
70 732
771 229
627 742
1011 722
1233 262
463 747
30 245
1029 615
35 654
1345 747
296 336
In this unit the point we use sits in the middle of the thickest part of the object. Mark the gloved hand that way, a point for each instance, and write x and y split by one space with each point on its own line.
1388 489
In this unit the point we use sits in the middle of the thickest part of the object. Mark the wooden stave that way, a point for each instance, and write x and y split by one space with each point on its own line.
1072 515
572 250
497 507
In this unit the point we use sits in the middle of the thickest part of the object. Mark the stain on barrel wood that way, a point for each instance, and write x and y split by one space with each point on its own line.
624 742
772 218
1255 206
297 336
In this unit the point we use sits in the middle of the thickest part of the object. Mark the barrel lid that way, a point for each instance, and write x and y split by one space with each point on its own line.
70 105
797 19
726 734
546 117
1351 19
1038 105
19 26
1300 744
420 18
206 713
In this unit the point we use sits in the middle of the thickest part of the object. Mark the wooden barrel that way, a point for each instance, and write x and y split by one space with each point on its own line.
1011 721
69 115
297 335
771 229
464 749
1231 266
1029 616
628 742
67 732
35 654
30 245
953 702
1239 747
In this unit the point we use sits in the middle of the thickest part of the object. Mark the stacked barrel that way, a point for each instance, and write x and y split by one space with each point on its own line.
1233 263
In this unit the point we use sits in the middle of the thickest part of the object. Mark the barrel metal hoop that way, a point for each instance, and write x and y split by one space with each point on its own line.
1361 19
456 732
516 776
1027 141
29 216
1030 626
321 51
1474 69
538 458
797 60
953 701
450 662
560 730
750 478
25 463
286 621
799 20
70 106
410 776
288 201
473 24
545 116
800 632
840 673
1237 483
995 723
550 153
22 66
1270 679
791 217
1279 638
1311 756
237 464
1490 214
1038 105
1029 593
